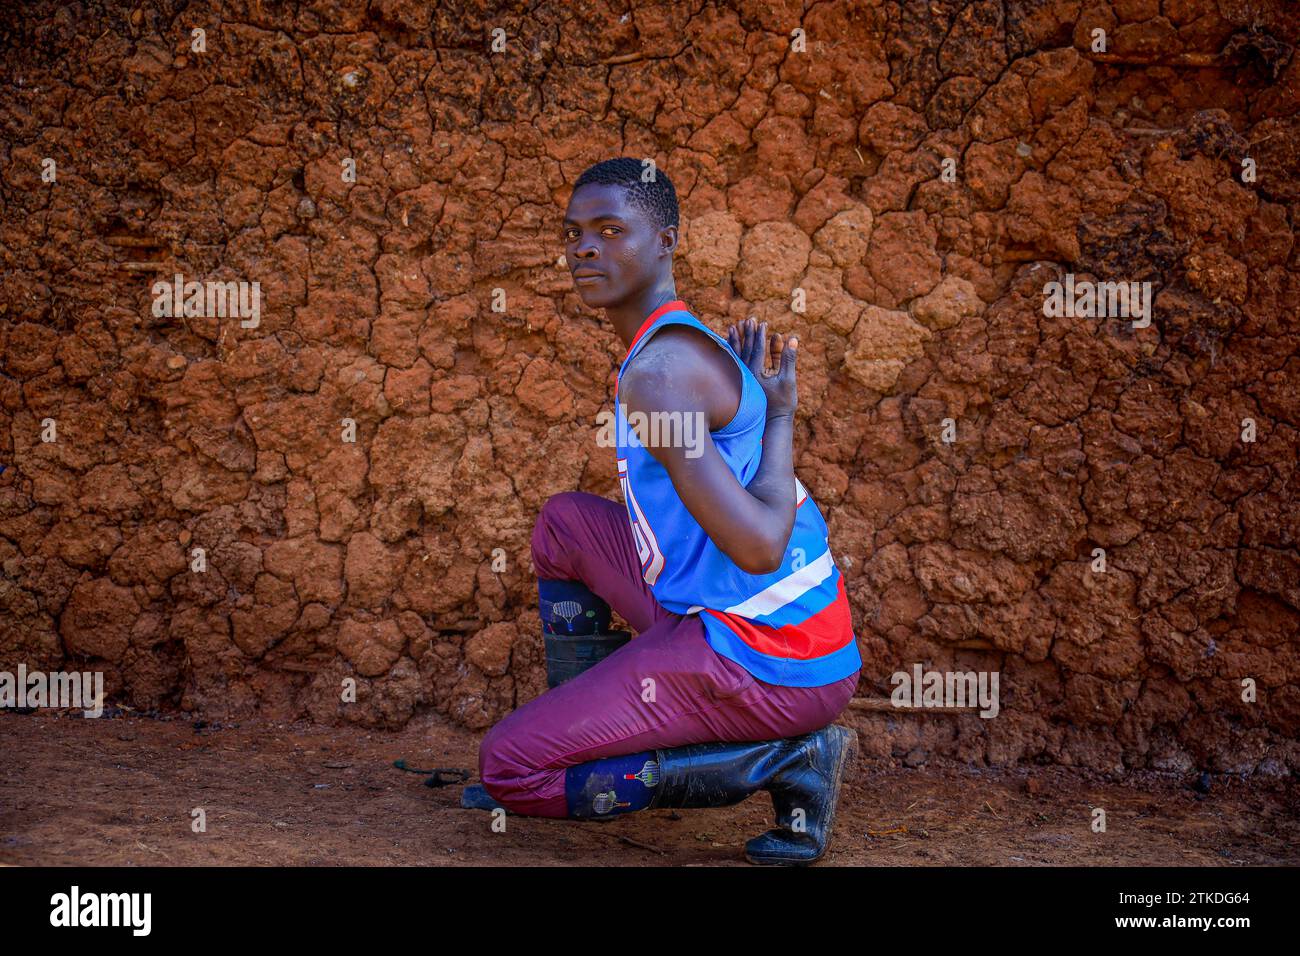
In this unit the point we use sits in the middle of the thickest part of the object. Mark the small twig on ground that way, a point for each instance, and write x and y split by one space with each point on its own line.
890 831
153 850
638 843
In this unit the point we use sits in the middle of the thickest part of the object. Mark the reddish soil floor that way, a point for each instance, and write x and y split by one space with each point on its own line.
121 791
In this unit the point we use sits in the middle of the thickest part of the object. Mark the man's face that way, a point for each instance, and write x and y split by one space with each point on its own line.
612 248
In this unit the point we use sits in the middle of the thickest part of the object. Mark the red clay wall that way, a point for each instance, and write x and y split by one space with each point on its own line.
818 169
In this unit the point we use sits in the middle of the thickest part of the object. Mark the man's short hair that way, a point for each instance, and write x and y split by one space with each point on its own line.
657 198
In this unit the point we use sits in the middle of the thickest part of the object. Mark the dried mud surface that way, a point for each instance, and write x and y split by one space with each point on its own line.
820 170
122 793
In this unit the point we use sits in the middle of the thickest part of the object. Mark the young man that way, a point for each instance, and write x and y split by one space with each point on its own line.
719 560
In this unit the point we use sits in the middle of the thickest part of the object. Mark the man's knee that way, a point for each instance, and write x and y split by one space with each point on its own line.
557 510
499 764
549 531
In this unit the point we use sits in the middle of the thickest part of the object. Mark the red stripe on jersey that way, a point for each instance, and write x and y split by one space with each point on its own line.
820 634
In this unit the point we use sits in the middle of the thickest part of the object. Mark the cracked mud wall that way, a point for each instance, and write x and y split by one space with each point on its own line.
819 170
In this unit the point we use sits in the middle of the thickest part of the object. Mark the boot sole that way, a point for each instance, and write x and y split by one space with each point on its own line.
848 752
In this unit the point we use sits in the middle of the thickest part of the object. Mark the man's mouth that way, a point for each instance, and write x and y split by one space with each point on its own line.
587 277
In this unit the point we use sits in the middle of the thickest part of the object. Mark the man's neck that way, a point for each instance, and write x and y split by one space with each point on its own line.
628 317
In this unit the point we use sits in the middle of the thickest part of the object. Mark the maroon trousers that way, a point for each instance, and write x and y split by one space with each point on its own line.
664 688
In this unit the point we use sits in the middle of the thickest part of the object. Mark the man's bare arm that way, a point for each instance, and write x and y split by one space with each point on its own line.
751 525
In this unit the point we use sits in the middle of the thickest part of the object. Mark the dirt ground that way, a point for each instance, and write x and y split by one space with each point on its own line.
121 791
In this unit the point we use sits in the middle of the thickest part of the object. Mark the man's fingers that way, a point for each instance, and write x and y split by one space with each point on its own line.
760 349
752 355
788 356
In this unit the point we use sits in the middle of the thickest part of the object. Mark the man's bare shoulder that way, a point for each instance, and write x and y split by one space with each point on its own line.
681 368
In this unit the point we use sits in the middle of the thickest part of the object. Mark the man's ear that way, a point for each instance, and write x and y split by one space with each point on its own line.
668 240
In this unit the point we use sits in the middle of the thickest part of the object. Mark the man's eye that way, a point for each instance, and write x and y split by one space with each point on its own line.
611 230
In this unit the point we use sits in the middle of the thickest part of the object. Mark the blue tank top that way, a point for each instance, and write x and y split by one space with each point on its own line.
791 627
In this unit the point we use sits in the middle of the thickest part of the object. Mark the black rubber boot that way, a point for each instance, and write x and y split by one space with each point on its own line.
803 774
812 785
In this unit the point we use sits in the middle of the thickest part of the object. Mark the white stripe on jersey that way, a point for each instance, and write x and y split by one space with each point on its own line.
778 595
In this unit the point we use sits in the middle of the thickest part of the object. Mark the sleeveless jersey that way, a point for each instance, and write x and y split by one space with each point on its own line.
791 627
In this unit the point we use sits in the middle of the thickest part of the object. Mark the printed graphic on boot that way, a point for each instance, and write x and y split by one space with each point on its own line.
648 775
607 801
611 785
570 608
567 610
